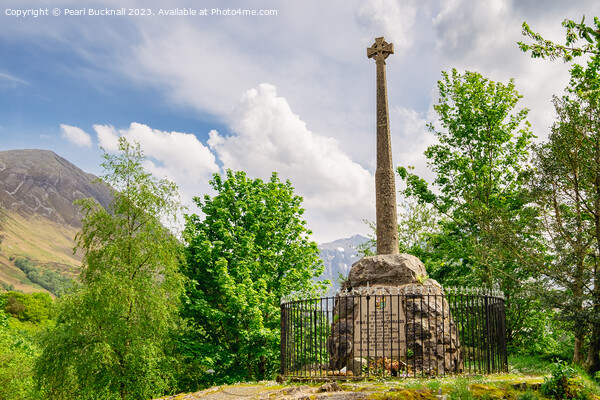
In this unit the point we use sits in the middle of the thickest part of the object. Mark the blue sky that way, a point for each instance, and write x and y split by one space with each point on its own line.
292 92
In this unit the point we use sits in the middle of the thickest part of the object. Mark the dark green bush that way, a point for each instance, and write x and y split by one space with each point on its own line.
52 281
561 384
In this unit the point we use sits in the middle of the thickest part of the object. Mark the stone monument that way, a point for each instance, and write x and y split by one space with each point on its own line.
389 312
385 187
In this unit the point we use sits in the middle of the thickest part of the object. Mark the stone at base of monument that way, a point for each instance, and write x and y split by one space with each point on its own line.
393 320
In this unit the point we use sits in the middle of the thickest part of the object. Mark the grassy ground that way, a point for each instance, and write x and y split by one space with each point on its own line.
48 244
525 380
529 378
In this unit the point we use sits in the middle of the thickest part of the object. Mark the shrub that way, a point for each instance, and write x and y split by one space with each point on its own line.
561 384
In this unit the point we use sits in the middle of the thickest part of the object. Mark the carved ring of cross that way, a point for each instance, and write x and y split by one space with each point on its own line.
380 49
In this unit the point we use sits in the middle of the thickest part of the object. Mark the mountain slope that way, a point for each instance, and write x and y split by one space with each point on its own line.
38 219
39 183
338 257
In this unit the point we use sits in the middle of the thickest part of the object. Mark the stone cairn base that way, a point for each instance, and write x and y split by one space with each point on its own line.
431 345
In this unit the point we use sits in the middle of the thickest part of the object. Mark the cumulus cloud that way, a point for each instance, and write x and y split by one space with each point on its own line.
269 137
108 137
75 135
178 156
395 19
317 59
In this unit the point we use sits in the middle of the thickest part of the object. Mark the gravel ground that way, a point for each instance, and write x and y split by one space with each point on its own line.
269 392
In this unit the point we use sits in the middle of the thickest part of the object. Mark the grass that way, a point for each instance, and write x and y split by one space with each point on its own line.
47 243
522 382
529 365
39 239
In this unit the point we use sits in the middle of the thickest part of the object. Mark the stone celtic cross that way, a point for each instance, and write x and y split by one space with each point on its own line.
385 187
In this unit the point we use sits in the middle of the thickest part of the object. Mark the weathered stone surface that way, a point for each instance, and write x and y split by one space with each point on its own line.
427 336
358 364
330 387
385 187
387 269
344 306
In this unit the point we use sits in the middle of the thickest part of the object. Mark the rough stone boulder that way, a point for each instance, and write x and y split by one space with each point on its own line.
385 270
429 341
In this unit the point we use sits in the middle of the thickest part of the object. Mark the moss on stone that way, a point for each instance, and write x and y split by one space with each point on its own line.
492 392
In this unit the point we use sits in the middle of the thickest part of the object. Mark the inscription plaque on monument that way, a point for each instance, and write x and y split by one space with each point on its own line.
380 329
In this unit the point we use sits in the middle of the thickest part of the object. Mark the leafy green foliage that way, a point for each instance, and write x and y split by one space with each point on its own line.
52 281
35 307
487 231
479 166
542 48
249 249
113 335
567 192
17 356
560 385
543 334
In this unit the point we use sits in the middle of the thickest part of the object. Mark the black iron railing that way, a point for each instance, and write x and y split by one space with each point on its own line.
415 331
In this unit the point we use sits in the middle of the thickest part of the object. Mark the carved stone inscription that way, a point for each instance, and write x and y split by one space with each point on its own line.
379 330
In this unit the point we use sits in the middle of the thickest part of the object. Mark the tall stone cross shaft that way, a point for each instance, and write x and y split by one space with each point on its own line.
385 187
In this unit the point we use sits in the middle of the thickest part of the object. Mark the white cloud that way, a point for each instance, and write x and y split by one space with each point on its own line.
316 57
178 156
269 137
108 137
392 18
468 41
410 140
12 79
75 135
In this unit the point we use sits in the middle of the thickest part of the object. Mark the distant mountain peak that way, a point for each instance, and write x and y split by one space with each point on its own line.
338 257
40 183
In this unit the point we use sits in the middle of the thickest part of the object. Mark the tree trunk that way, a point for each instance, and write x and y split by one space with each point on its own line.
580 328
593 360
592 363
262 367
578 356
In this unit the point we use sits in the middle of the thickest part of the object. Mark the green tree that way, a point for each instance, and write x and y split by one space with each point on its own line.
417 223
17 358
249 249
568 188
35 308
542 48
488 232
113 335
569 195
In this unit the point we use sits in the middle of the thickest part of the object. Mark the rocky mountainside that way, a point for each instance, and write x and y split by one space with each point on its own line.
40 183
338 257
38 219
